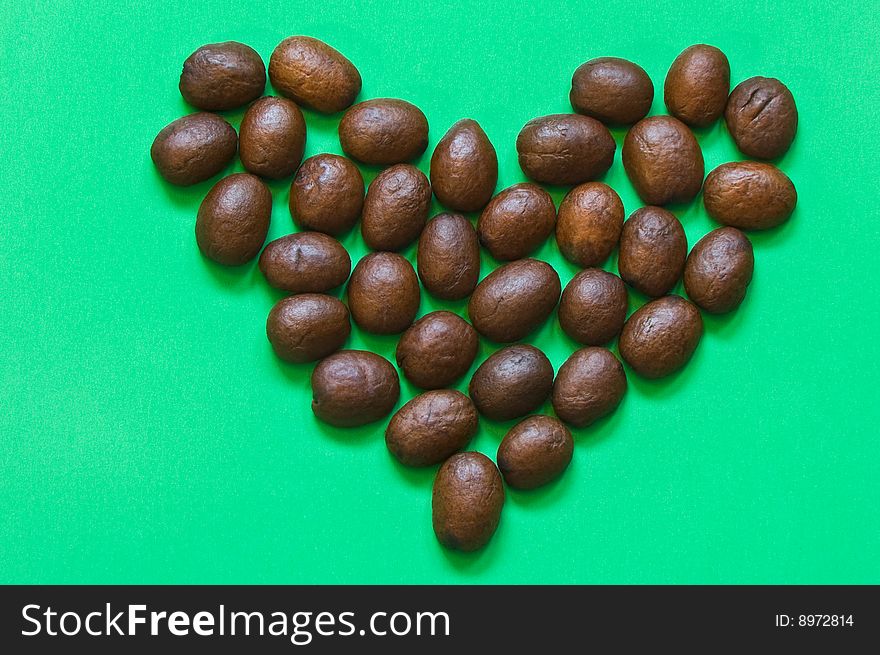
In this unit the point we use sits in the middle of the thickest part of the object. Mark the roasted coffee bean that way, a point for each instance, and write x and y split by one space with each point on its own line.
396 208
354 387
305 262
222 76
612 90
565 149
383 293
314 75
437 350
697 85
514 300
661 336
384 131
449 257
653 247
762 117
534 452
464 167
431 427
516 221
193 148
233 219
589 385
719 270
272 138
511 383
749 195
589 223
327 194
467 501
663 160
307 327
593 307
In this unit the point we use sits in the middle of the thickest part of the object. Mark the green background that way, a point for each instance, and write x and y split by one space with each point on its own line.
149 435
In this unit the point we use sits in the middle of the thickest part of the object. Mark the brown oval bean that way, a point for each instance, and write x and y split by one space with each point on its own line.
464 167
437 350
517 221
431 427
719 270
589 385
307 327
653 248
396 208
383 293
534 452
305 262
194 148
661 336
354 387
449 257
233 219
384 131
749 195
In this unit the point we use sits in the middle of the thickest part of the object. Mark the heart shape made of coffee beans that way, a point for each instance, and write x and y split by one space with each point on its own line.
662 159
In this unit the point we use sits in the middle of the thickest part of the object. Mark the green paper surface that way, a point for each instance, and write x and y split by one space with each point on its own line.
149 435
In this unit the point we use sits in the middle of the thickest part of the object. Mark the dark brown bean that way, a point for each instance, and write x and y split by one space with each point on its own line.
437 350
396 208
307 327
534 452
661 336
514 300
327 194
653 247
306 262
314 75
511 383
384 131
762 117
697 85
449 257
749 195
516 221
222 76
464 167
272 138
193 148
589 385
233 219
589 223
431 427
719 270
565 149
467 501
354 387
383 293
663 160
593 307
612 90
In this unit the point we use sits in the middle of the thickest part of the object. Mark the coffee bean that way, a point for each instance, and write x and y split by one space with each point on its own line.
514 300
222 76
272 138
593 307
719 270
396 208
431 427
467 501
354 387
589 223
534 452
565 149
511 383
663 160
749 195
233 219
193 148
383 293
762 117
305 262
653 248
697 85
589 385
437 350
327 194
464 167
516 221
612 90
314 75
307 327
449 257
661 336
384 131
